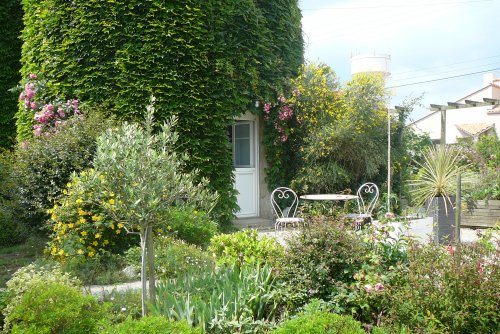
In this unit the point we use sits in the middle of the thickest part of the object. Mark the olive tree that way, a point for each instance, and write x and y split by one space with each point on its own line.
144 176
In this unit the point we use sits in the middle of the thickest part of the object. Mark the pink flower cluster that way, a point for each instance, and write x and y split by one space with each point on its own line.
377 288
267 110
28 95
285 113
50 116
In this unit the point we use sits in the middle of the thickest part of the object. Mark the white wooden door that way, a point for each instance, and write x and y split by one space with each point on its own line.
245 167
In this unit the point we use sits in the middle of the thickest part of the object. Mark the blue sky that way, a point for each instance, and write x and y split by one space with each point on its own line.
426 39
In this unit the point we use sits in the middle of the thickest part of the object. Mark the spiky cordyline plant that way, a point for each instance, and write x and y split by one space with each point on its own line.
438 174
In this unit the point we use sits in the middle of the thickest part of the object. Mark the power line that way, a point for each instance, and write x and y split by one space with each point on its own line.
394 80
431 4
441 66
445 78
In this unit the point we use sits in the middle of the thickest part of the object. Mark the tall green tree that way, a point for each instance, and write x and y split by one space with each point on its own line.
10 63
143 175
344 129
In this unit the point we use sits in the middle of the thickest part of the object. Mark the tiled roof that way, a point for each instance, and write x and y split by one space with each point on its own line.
474 129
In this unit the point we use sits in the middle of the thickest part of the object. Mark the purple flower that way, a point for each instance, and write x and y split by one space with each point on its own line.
368 288
281 99
33 105
21 97
61 112
32 76
284 138
50 107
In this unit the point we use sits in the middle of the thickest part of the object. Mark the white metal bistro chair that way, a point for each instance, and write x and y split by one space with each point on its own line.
367 199
284 202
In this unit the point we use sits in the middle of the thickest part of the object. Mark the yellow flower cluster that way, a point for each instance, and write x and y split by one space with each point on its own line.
78 228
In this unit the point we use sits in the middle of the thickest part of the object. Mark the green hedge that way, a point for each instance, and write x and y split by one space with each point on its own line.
10 55
205 61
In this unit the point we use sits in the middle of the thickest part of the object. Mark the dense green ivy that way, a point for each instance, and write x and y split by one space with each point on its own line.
10 55
204 61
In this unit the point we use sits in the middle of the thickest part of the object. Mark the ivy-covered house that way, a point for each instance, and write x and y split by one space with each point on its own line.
211 63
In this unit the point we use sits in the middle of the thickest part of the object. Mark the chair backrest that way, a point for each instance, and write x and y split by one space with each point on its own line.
284 202
367 198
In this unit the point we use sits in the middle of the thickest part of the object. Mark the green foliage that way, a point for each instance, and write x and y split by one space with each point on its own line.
173 258
12 231
437 176
321 260
320 322
122 305
229 300
55 308
348 145
448 290
44 164
10 55
407 146
204 61
102 269
152 325
143 174
190 224
483 157
245 247
28 277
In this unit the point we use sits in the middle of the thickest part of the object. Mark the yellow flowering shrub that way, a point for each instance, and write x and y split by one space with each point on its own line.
326 137
79 224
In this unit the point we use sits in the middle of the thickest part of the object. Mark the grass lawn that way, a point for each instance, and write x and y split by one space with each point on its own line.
15 257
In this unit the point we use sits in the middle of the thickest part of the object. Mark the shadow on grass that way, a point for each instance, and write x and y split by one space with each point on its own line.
14 257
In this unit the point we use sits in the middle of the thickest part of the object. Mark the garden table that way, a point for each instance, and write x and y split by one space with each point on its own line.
328 197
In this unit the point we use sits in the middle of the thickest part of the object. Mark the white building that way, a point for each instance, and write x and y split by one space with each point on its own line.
463 122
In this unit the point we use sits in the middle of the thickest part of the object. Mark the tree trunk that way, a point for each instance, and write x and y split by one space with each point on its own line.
151 266
143 270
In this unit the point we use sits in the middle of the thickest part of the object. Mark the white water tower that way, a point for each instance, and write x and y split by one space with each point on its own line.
371 62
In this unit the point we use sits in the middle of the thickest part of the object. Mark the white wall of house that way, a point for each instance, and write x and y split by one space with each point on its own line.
431 124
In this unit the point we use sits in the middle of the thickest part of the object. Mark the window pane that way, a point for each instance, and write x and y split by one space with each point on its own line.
243 146
242 131
242 152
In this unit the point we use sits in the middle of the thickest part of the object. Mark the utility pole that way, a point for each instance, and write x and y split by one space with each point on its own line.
388 160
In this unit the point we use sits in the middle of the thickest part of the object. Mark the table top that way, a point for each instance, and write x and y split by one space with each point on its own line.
329 197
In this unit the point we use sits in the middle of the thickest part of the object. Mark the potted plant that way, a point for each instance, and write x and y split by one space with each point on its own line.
435 185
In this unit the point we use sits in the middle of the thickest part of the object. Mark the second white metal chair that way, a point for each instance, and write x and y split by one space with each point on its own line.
284 202
368 195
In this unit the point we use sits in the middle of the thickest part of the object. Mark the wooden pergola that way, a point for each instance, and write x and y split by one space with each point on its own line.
456 105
